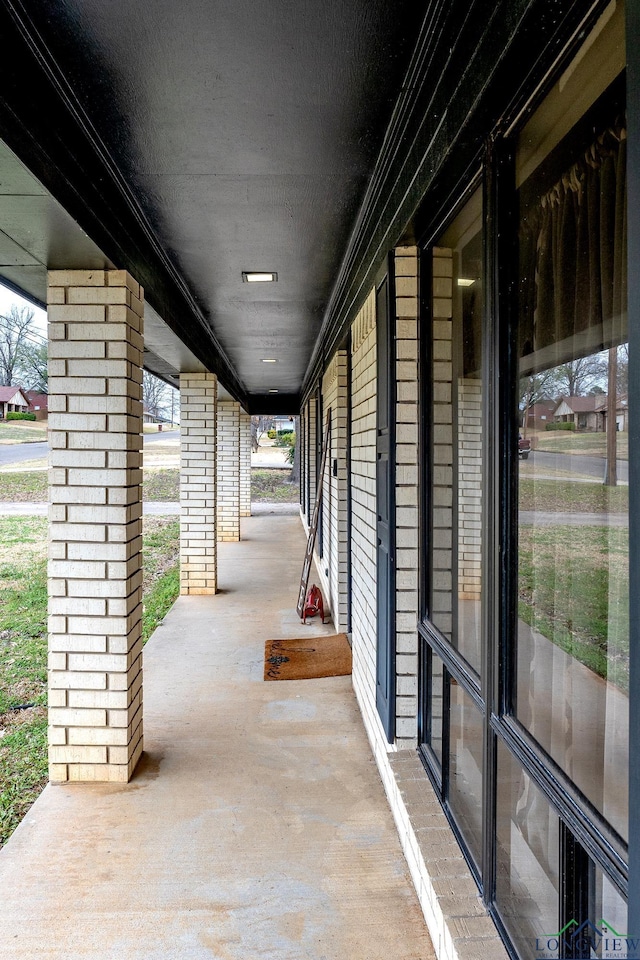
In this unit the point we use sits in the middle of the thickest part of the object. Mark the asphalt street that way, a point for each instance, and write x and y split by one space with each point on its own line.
576 464
17 452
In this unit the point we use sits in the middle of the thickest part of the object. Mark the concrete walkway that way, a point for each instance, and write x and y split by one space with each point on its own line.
256 827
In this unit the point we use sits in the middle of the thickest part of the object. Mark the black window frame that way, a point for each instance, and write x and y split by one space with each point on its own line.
583 826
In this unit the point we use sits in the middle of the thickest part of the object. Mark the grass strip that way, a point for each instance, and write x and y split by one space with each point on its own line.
564 496
273 486
160 484
574 589
161 570
23 647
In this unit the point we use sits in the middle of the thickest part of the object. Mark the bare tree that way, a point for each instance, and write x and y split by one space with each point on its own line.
32 364
533 389
576 377
259 425
15 328
155 395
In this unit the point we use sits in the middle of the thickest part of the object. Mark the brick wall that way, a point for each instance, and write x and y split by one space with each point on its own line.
406 559
95 528
245 464
198 477
311 454
334 392
228 471
469 488
363 507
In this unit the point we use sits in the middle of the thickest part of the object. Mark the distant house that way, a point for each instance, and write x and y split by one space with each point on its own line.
149 417
540 414
13 400
284 424
589 414
39 404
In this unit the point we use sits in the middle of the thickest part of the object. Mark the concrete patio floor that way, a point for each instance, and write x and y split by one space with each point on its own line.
256 825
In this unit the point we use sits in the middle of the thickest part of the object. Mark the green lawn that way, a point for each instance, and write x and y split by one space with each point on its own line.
272 486
22 431
587 444
160 484
553 496
574 590
23 647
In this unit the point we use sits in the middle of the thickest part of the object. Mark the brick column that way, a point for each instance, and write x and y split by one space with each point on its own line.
228 471
95 526
245 464
407 496
198 427
312 464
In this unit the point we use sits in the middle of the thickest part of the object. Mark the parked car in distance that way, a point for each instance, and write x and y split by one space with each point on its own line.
524 446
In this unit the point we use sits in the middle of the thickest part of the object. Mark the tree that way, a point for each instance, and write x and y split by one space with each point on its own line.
15 328
33 367
259 425
156 396
623 370
533 389
577 377
537 387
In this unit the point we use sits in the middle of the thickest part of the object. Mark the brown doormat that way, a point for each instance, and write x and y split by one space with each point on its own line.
307 658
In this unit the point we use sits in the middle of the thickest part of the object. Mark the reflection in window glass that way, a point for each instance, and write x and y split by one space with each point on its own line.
573 587
465 767
436 706
456 428
527 860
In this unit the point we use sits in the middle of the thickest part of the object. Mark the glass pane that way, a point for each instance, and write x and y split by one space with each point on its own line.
456 494
573 588
611 936
527 861
465 767
436 706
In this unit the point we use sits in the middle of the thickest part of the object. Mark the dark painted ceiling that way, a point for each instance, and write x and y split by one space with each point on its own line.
193 140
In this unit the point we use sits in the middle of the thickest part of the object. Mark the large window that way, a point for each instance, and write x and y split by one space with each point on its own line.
525 628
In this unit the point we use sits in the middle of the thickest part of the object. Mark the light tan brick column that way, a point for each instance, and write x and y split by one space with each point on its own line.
245 464
95 526
406 285
198 473
228 471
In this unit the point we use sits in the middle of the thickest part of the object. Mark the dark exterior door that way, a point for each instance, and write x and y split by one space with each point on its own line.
385 659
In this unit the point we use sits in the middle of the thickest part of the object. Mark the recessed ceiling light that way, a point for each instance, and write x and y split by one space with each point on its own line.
257 276
273 391
465 282
269 360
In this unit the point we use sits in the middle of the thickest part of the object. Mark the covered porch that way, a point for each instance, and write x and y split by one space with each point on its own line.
255 825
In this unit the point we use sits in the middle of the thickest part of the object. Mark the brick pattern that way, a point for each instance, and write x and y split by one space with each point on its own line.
245 464
363 517
302 440
458 923
442 493
198 477
406 481
228 471
312 465
335 554
95 527
469 488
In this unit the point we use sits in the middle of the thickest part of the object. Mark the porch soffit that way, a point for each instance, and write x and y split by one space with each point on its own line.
189 142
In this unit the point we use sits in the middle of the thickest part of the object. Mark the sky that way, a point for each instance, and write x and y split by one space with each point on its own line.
8 297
